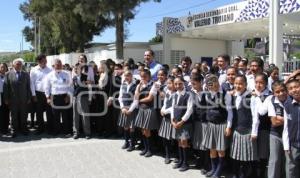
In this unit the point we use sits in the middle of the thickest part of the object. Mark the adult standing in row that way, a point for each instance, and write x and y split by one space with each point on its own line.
4 111
37 77
17 94
58 90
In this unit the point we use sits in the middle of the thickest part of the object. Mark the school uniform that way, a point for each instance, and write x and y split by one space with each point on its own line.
261 129
219 118
262 125
166 130
276 158
226 86
199 120
242 147
182 109
291 138
126 99
147 116
81 107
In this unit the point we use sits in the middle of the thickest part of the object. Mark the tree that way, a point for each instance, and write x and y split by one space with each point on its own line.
117 12
62 28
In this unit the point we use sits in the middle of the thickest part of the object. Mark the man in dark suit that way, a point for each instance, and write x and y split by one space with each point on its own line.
17 95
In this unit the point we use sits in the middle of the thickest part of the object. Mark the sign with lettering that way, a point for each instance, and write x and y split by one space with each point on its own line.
222 15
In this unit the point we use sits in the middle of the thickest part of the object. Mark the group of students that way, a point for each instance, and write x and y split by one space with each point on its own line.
239 115
250 120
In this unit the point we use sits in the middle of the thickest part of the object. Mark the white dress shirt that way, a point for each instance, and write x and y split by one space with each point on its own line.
259 109
164 109
121 93
58 82
37 76
250 82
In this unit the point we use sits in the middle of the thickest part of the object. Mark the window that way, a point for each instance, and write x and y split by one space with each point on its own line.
159 56
176 55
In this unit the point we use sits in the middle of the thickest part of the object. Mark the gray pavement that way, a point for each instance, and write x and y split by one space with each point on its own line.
40 157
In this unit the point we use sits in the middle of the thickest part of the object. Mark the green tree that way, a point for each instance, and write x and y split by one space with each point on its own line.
117 12
62 28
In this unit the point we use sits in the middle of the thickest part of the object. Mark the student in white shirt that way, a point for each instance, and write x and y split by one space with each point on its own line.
291 130
182 109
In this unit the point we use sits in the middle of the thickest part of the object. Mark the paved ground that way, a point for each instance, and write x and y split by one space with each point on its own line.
37 157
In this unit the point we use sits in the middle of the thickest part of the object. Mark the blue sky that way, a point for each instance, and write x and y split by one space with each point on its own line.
142 28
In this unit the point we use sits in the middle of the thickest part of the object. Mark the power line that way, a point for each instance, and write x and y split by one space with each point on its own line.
178 10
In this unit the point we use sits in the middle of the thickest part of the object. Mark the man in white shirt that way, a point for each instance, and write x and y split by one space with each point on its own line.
223 62
58 91
37 76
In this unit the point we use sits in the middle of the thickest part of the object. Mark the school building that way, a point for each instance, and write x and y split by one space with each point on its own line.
204 35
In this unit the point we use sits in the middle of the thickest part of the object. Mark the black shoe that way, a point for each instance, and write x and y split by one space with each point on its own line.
68 135
38 132
177 165
125 146
143 152
75 136
184 167
214 176
203 171
167 161
210 173
13 135
130 148
25 133
148 154
87 137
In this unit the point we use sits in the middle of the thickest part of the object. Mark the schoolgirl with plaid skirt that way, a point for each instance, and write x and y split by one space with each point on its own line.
219 117
128 111
166 131
147 117
182 109
243 148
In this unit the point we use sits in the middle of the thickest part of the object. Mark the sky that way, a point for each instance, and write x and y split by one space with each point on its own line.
141 29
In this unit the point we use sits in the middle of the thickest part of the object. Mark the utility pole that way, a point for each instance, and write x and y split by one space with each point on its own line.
39 49
35 43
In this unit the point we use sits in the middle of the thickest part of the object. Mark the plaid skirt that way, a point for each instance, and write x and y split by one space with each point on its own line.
243 148
184 133
166 129
200 131
127 121
215 137
147 119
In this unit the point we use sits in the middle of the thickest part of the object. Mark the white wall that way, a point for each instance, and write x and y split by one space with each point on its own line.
197 48
72 58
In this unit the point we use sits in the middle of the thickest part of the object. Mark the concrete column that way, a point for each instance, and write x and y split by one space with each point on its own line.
275 34
166 42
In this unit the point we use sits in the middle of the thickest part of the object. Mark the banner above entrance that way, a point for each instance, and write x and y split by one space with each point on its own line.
238 12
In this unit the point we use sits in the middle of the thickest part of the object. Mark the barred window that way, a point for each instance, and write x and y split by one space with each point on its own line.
176 55
159 56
